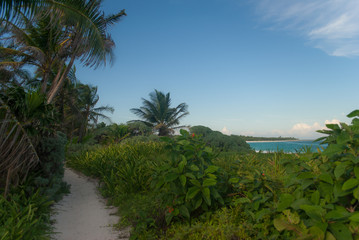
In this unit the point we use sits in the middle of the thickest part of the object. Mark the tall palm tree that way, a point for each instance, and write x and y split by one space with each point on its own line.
158 114
83 34
88 41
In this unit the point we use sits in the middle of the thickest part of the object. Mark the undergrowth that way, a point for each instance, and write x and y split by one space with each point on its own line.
182 189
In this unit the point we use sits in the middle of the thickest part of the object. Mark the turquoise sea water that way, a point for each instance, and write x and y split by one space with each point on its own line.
290 146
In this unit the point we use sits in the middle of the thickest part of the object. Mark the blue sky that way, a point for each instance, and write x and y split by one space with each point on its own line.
261 68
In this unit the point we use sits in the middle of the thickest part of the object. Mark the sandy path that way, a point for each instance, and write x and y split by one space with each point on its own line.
83 214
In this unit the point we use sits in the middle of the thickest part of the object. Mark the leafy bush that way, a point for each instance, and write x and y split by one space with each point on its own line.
220 141
189 181
325 189
50 171
24 216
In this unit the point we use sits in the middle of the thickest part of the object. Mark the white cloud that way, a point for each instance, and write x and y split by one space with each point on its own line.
330 25
304 130
226 131
333 121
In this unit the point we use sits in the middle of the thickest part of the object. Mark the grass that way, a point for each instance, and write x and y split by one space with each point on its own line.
25 216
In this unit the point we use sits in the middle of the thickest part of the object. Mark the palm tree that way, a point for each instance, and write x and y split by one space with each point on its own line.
88 40
158 114
88 99
82 36
36 43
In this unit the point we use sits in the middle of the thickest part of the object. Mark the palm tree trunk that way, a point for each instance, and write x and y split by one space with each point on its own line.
44 81
58 82
83 128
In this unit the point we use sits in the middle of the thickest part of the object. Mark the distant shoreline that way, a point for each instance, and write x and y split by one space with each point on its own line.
267 141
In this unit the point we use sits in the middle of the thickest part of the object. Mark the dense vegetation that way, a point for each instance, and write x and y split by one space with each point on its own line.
198 185
43 104
179 189
218 140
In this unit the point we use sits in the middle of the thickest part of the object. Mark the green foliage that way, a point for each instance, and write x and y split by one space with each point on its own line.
24 216
190 180
50 171
220 141
139 129
303 195
325 188
123 168
115 133
31 110
137 139
222 225
158 114
126 171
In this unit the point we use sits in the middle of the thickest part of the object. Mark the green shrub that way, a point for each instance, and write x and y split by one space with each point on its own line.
218 140
325 192
122 168
24 216
50 172
222 225
189 181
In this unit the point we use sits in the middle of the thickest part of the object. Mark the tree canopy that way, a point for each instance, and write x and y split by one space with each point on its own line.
232 143
158 113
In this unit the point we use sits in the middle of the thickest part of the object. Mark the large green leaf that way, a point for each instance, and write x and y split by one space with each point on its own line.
206 195
355 217
299 202
194 168
340 231
325 177
184 211
209 182
340 169
195 182
314 212
315 197
356 193
354 113
198 203
181 165
192 192
183 180
211 169
285 200
280 224
171 177
333 149
349 184
338 215
216 195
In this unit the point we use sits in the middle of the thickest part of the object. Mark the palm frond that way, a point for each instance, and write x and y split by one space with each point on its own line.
17 153
158 112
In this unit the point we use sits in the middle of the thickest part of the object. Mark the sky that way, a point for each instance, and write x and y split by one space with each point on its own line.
255 67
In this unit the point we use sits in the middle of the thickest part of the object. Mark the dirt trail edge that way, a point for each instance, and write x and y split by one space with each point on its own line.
83 214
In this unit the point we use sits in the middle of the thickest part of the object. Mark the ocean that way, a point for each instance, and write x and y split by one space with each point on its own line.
286 146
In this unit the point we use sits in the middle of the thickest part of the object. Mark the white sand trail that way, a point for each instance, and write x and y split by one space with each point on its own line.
83 214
